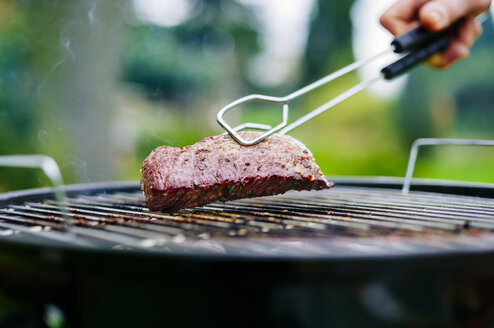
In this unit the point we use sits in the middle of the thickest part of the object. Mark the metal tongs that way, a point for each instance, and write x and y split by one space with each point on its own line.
416 45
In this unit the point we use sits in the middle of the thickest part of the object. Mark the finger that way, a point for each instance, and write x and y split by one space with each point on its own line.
456 51
401 16
439 14
468 32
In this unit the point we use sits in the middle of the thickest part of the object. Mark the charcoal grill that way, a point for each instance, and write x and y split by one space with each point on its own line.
299 260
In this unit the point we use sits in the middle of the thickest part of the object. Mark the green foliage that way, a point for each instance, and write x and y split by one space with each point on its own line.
453 163
17 115
184 73
183 62
177 133
156 60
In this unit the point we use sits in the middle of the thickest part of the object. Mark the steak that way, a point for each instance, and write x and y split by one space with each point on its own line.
218 168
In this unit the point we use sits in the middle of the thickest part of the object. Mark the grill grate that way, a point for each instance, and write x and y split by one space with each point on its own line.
339 222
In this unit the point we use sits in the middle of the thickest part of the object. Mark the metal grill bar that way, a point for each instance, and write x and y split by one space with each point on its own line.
279 219
295 223
418 216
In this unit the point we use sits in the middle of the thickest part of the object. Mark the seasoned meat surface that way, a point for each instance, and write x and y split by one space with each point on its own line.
218 168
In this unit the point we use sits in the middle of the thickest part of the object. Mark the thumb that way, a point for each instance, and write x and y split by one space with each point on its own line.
439 14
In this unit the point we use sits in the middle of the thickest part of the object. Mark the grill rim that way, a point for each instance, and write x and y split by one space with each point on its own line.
451 187
465 264
38 194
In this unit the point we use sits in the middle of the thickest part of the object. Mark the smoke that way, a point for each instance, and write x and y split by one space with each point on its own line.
42 135
50 71
90 14
65 43
78 169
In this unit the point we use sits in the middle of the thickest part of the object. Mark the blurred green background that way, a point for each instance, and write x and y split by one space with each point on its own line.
98 84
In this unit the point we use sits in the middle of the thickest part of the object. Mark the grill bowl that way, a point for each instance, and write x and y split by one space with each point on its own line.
130 286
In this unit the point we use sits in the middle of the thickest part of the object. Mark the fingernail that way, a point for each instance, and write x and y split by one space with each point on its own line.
438 18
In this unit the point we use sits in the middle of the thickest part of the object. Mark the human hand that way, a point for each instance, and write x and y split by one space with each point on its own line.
437 15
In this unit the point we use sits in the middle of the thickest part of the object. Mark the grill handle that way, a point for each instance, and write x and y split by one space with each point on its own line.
414 151
415 57
47 164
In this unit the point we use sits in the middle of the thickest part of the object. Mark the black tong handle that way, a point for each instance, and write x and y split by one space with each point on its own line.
418 38
422 43
415 57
